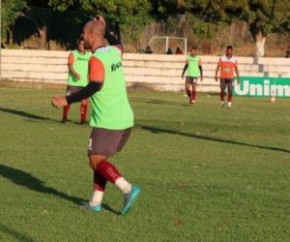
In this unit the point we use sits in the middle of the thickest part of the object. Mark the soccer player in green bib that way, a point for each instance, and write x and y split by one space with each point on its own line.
112 117
193 69
78 62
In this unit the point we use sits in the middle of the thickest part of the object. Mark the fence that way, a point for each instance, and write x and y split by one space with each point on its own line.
155 72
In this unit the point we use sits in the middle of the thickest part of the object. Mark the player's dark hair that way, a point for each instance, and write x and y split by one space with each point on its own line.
229 47
193 48
78 41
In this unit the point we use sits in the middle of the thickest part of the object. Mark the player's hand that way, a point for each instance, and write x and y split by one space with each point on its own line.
58 102
201 78
238 82
216 78
77 77
182 76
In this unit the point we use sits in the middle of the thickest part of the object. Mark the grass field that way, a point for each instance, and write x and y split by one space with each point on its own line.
206 173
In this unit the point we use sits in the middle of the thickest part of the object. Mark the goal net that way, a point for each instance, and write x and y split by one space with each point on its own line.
161 44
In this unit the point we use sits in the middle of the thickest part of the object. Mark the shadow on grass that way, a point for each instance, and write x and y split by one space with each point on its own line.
110 209
168 131
86 206
17 235
161 102
24 179
23 114
32 116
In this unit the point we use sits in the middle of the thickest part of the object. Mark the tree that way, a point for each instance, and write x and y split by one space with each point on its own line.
63 5
41 20
117 11
10 10
265 17
123 15
204 17
163 9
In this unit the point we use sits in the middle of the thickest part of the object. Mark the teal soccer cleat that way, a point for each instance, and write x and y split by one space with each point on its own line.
96 208
87 206
130 199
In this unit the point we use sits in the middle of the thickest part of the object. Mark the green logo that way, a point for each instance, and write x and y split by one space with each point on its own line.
263 87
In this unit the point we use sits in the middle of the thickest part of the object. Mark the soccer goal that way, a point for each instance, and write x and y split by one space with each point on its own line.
161 44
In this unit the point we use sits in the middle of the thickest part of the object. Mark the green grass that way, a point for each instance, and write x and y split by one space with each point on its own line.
206 173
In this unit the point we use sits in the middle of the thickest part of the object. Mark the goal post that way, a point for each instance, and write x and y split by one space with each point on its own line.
170 42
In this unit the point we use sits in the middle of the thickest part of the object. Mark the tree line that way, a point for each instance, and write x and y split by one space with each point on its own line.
263 16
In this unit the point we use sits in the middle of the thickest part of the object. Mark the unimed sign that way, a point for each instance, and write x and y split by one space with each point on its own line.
263 87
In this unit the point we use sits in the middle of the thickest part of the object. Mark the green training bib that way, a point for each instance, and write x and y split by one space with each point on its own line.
111 108
81 66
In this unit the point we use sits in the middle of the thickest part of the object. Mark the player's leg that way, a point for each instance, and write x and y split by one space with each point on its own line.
98 192
193 92
105 143
99 181
189 87
83 111
66 108
222 93
131 197
65 113
110 173
230 91
108 142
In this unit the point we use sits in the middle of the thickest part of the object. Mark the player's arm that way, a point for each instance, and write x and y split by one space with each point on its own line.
112 39
200 69
217 70
85 93
184 68
96 77
237 73
70 67
201 74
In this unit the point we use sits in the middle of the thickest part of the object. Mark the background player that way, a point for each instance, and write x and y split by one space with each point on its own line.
193 69
112 116
227 64
78 62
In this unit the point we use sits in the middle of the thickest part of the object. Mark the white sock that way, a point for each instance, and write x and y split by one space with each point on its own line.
96 198
124 185
229 104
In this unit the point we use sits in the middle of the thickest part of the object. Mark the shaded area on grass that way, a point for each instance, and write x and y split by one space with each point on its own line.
31 116
182 103
17 235
161 102
110 209
25 179
22 178
23 114
161 130
86 206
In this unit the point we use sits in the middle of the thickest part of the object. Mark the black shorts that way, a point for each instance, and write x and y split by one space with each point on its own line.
72 90
226 83
107 142
191 80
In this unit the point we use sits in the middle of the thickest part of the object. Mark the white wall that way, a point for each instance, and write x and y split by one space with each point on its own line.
156 72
